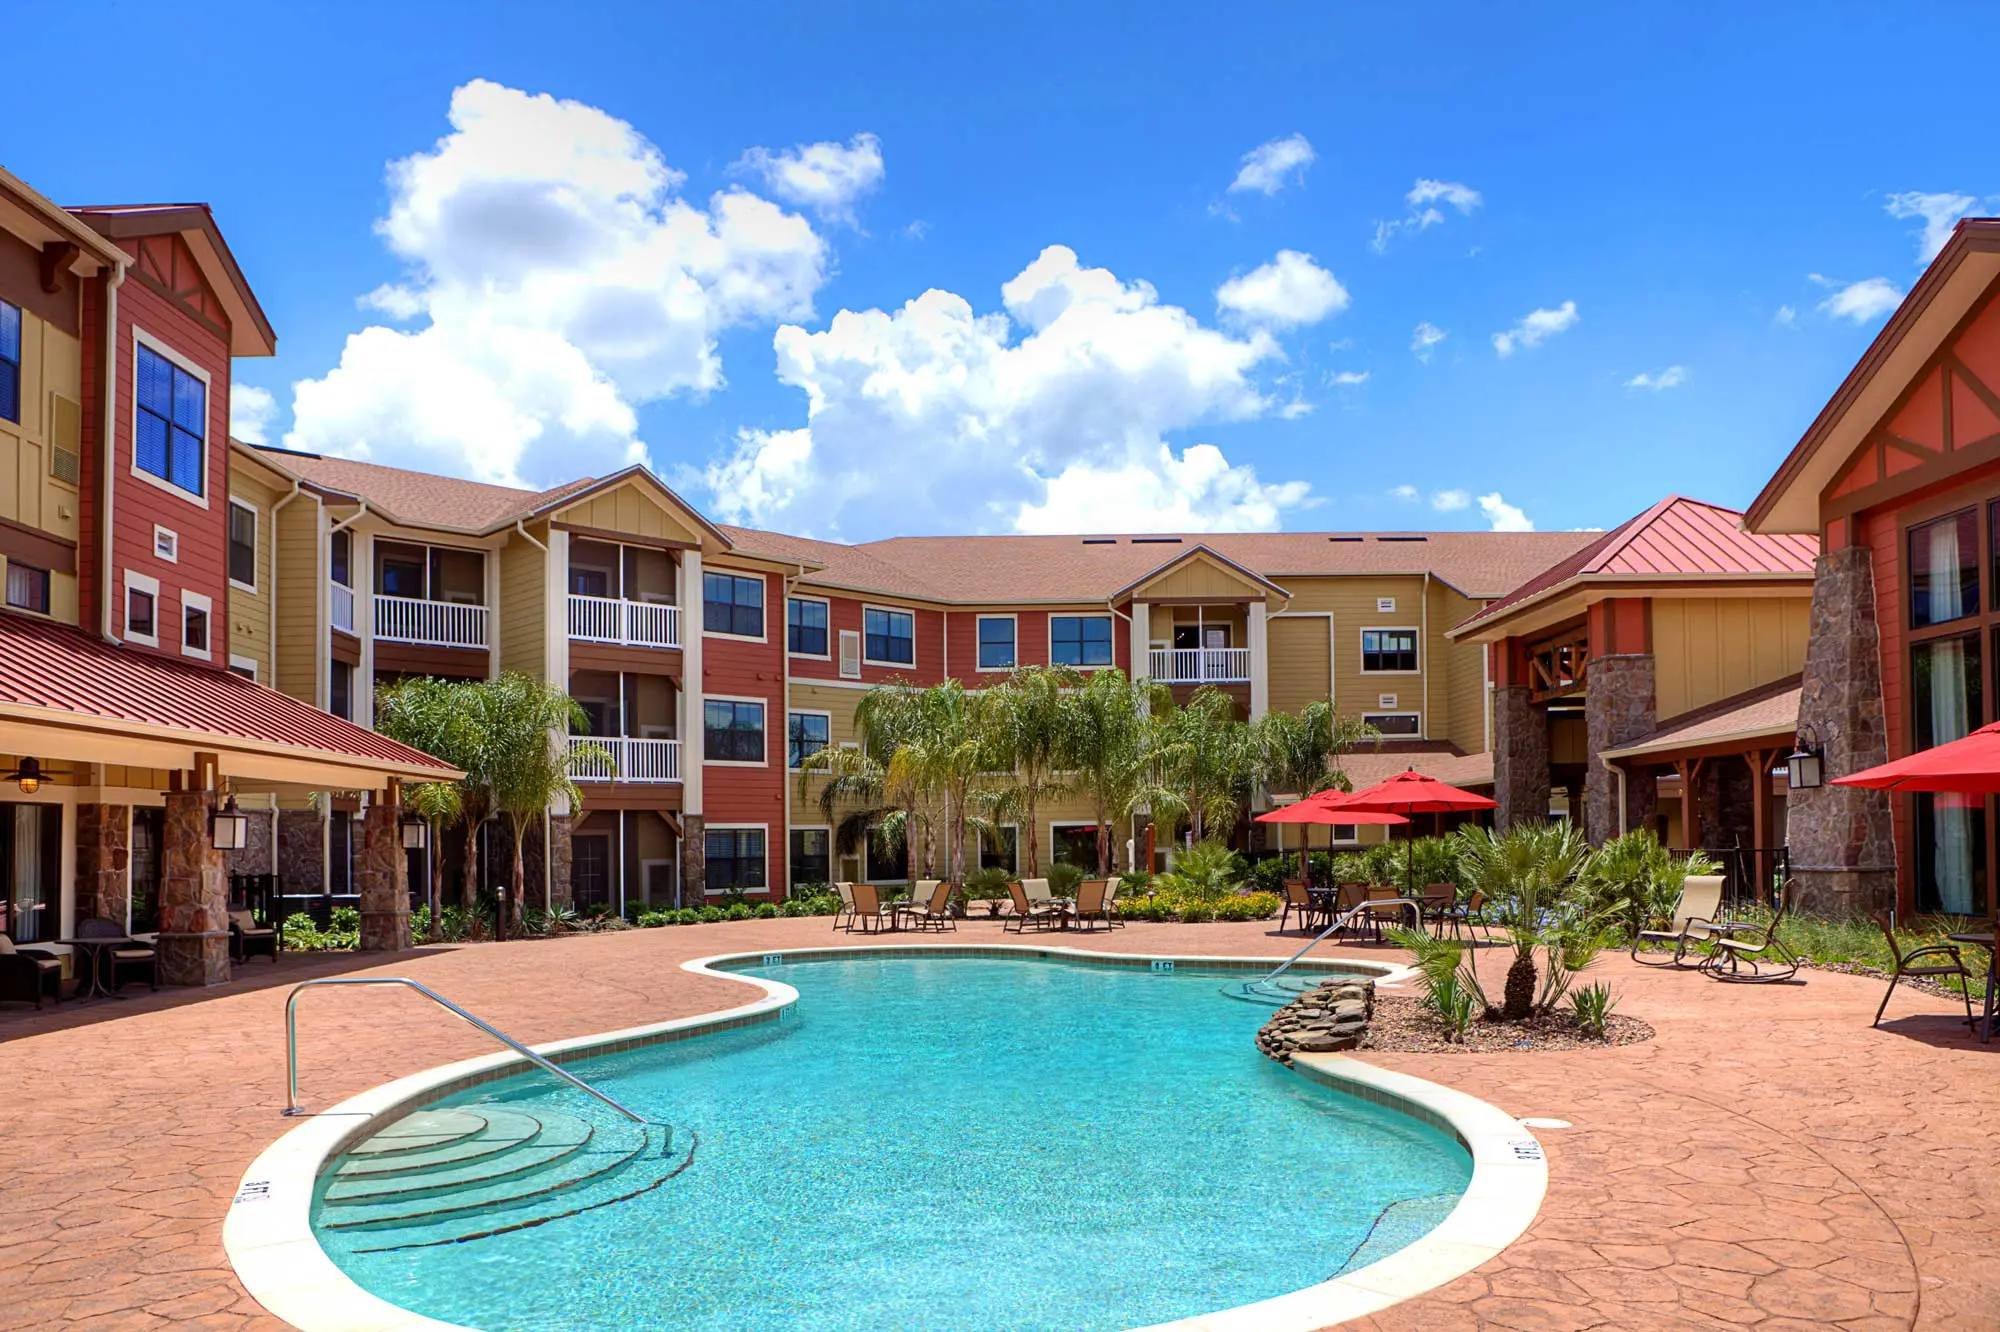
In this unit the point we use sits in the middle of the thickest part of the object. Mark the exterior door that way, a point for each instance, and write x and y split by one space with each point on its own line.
590 871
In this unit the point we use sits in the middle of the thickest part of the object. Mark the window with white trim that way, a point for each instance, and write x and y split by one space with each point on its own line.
1388 650
997 643
1080 640
244 666
811 860
142 608
732 604
806 733
1395 723
170 426
243 545
889 637
736 860
805 626
195 626
732 731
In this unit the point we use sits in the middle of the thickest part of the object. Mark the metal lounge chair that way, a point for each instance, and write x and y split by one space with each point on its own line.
1299 902
1027 912
1755 947
1694 923
1089 904
1904 968
869 912
929 908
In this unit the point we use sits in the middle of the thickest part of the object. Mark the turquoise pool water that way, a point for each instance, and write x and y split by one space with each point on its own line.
948 1143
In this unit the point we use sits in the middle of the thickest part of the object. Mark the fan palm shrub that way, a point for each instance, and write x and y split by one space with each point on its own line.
1529 875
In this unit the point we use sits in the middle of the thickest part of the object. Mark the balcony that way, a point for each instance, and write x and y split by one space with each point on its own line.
626 760
430 623
1199 665
625 623
343 607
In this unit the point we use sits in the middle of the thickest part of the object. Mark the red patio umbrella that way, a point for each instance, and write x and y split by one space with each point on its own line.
1325 808
1970 765
1413 793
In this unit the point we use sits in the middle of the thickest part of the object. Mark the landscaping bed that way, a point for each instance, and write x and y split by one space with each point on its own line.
1409 1026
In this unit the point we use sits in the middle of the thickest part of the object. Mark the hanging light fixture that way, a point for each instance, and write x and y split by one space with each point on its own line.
416 833
229 827
1806 768
28 776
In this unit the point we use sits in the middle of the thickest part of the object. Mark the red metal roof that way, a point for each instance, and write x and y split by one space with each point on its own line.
1678 538
52 666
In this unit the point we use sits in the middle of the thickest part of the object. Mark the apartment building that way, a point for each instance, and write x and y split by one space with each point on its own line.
134 760
710 659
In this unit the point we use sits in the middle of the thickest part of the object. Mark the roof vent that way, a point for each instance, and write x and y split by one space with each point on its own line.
1402 538
1344 538
1156 541
1100 541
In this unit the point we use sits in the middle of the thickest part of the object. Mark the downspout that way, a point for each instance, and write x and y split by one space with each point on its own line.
273 639
784 890
110 441
349 521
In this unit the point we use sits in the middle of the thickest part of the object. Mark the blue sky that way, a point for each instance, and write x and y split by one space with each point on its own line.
704 237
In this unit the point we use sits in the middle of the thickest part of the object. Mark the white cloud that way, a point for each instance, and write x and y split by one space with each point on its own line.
1427 336
1348 377
1786 317
1502 516
1859 302
1671 377
1423 213
560 281
1450 501
250 412
1536 326
1269 167
1405 492
1939 212
1288 292
934 417
825 177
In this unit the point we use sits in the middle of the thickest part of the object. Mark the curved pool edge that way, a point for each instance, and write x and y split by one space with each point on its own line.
269 1240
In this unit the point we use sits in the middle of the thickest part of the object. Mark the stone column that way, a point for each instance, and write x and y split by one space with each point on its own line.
103 861
382 872
559 860
302 850
694 862
1618 707
1520 758
1841 840
194 895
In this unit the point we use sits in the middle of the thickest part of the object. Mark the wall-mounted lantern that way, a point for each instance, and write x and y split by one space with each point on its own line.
229 827
416 833
1805 769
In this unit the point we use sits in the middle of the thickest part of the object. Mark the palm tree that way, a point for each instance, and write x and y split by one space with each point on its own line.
1031 721
883 801
1528 875
1203 762
947 749
1301 751
529 760
440 717
1106 747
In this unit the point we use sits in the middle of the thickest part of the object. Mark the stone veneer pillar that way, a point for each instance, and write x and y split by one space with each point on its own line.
193 945
694 861
1841 839
560 889
1520 758
302 850
103 861
382 872
1618 707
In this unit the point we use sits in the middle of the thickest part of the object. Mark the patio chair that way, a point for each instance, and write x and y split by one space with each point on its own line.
1027 911
1374 915
844 918
930 909
1904 968
246 937
1111 903
134 956
1040 894
1757 947
1438 899
1299 902
1347 897
1468 916
1089 904
29 974
1694 923
870 913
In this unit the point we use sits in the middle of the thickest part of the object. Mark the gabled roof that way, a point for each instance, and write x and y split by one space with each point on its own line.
1962 272
1677 540
1250 576
41 221
1767 712
249 330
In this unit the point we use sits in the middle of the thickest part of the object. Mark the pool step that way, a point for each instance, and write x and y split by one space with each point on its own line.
499 1130
546 1145
423 1129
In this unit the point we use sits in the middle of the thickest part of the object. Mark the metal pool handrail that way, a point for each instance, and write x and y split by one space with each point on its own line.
292 1106
1416 913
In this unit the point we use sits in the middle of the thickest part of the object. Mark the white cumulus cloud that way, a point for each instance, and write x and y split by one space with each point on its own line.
1269 167
1050 412
1347 378
251 410
1535 327
1450 501
1423 214
1426 338
1859 302
1289 292
555 280
825 177
1938 211
1405 492
1671 377
1502 516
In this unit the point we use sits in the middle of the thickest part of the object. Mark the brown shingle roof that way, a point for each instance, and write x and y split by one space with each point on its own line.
420 499
1367 767
1768 710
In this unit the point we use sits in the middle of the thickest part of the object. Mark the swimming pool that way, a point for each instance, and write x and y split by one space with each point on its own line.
949 1142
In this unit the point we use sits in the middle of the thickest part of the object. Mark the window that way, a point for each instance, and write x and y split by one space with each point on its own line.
807 734
1074 844
805 626
194 624
889 636
587 582
142 595
340 696
812 856
732 731
1947 702
590 869
732 605
1944 569
338 550
996 643
401 571
171 424
999 848
244 666
735 858
166 544
1388 649
243 545
1394 723
1080 640
149 843
27 587
10 362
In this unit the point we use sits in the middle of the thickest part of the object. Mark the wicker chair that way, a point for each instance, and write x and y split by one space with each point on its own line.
29 974
133 956
247 937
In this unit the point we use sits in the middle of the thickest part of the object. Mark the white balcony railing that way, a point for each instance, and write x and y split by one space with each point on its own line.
1199 665
432 623
627 760
633 623
343 607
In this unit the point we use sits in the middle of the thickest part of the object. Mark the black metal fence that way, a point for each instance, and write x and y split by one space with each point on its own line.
1750 874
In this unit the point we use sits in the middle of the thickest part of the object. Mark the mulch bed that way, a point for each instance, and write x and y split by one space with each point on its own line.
1402 1023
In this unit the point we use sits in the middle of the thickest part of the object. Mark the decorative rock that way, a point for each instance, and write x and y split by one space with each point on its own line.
1332 1017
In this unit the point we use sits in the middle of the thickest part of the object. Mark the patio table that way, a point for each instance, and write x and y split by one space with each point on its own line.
1985 941
95 951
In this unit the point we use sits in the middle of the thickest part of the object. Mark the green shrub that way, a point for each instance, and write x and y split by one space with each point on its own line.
1636 881
345 919
985 885
804 890
1064 877
420 923
1206 872
1134 881
1269 875
1455 1004
738 911
688 916
301 935
1593 1005
1143 908
708 915
766 911
1248 906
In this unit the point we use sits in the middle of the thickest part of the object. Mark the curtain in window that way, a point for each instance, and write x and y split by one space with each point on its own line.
30 906
1946 593
1948 710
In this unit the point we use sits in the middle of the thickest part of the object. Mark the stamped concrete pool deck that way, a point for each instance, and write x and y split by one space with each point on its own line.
1767 1160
